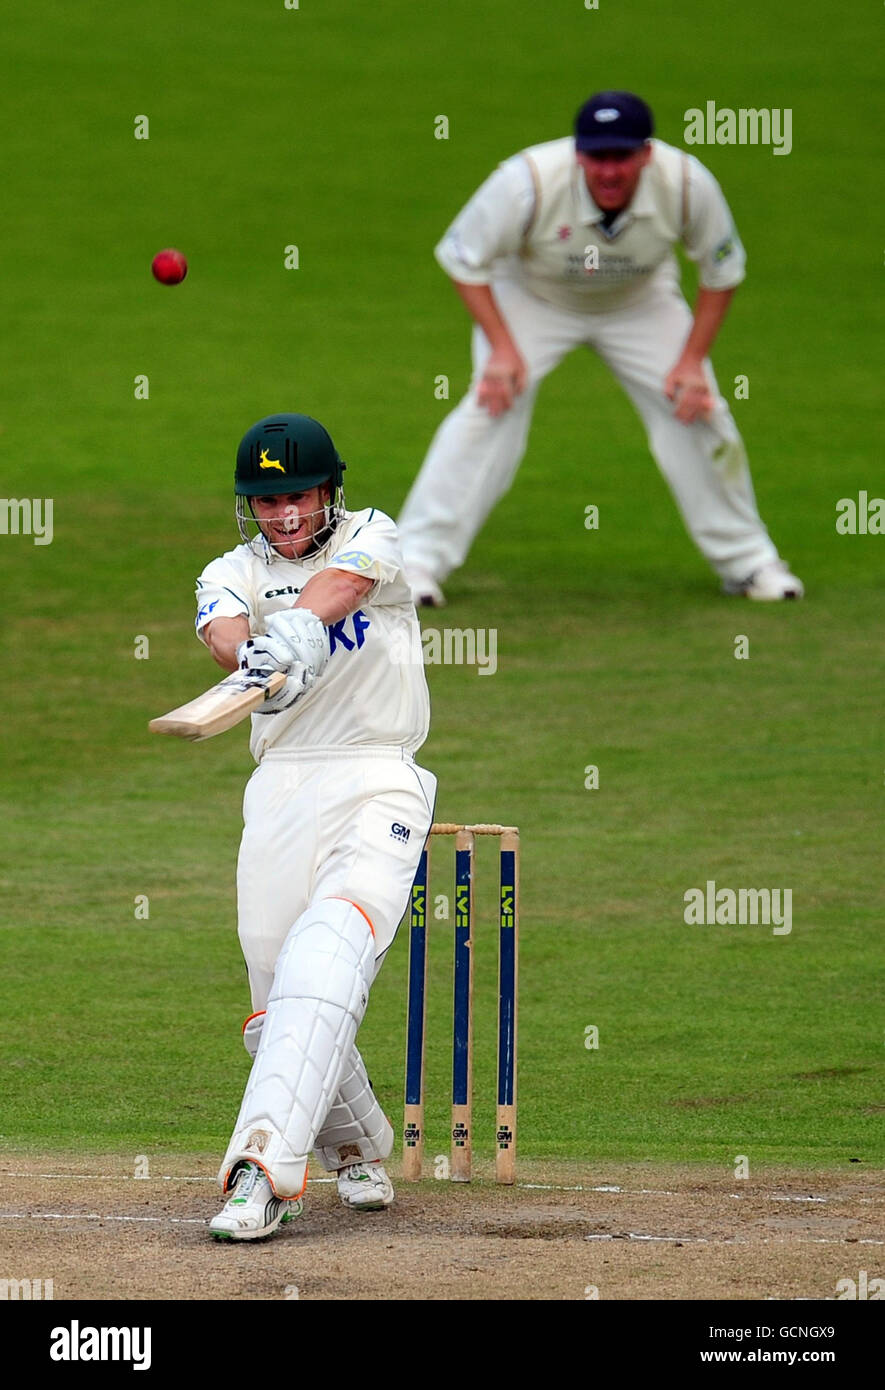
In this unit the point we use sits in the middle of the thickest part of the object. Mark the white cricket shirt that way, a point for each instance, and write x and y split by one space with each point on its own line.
368 694
535 221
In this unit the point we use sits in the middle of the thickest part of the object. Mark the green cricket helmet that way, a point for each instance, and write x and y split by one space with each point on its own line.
286 454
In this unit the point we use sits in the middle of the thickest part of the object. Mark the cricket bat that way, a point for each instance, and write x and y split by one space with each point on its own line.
220 708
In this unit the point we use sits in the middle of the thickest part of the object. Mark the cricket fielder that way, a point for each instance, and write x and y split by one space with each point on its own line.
336 813
569 244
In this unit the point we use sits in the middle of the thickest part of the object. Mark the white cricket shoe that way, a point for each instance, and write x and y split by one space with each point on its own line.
365 1187
770 583
252 1211
426 593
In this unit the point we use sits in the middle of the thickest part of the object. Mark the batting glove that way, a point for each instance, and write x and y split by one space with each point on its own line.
258 656
298 682
303 635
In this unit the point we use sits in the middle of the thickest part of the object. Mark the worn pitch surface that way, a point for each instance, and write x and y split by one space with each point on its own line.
616 1232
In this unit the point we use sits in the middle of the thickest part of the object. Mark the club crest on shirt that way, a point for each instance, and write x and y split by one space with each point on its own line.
358 559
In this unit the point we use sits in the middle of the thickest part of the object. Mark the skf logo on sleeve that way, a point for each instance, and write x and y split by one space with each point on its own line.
356 559
206 610
724 249
400 832
265 462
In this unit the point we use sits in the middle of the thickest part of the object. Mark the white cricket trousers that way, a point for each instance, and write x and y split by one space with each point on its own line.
473 457
329 823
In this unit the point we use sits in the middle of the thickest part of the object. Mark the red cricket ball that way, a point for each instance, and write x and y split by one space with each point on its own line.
169 267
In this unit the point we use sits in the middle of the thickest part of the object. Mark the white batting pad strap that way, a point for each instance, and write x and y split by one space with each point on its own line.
356 1129
319 995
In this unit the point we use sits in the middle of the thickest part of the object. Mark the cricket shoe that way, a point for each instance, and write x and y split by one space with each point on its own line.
252 1211
769 584
426 593
365 1187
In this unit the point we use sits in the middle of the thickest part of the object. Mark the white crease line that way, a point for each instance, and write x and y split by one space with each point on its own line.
95 1216
846 1240
125 1177
629 1235
739 1240
679 1240
776 1198
105 1177
654 1192
527 1186
554 1187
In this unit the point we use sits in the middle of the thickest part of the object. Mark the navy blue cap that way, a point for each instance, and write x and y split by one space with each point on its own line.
613 121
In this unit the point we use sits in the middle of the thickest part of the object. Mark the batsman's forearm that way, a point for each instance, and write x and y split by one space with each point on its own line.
222 636
709 313
483 309
332 594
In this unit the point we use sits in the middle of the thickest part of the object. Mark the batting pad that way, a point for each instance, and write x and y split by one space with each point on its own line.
317 1001
356 1130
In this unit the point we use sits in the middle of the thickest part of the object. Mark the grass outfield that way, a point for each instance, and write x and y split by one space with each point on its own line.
273 127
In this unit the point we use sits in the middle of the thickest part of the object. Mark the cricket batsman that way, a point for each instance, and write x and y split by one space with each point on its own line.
569 244
336 813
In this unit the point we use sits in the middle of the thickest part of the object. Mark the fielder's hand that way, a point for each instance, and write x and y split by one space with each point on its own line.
502 381
302 634
688 386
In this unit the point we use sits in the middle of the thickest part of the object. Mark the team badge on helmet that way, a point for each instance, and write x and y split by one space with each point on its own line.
265 462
